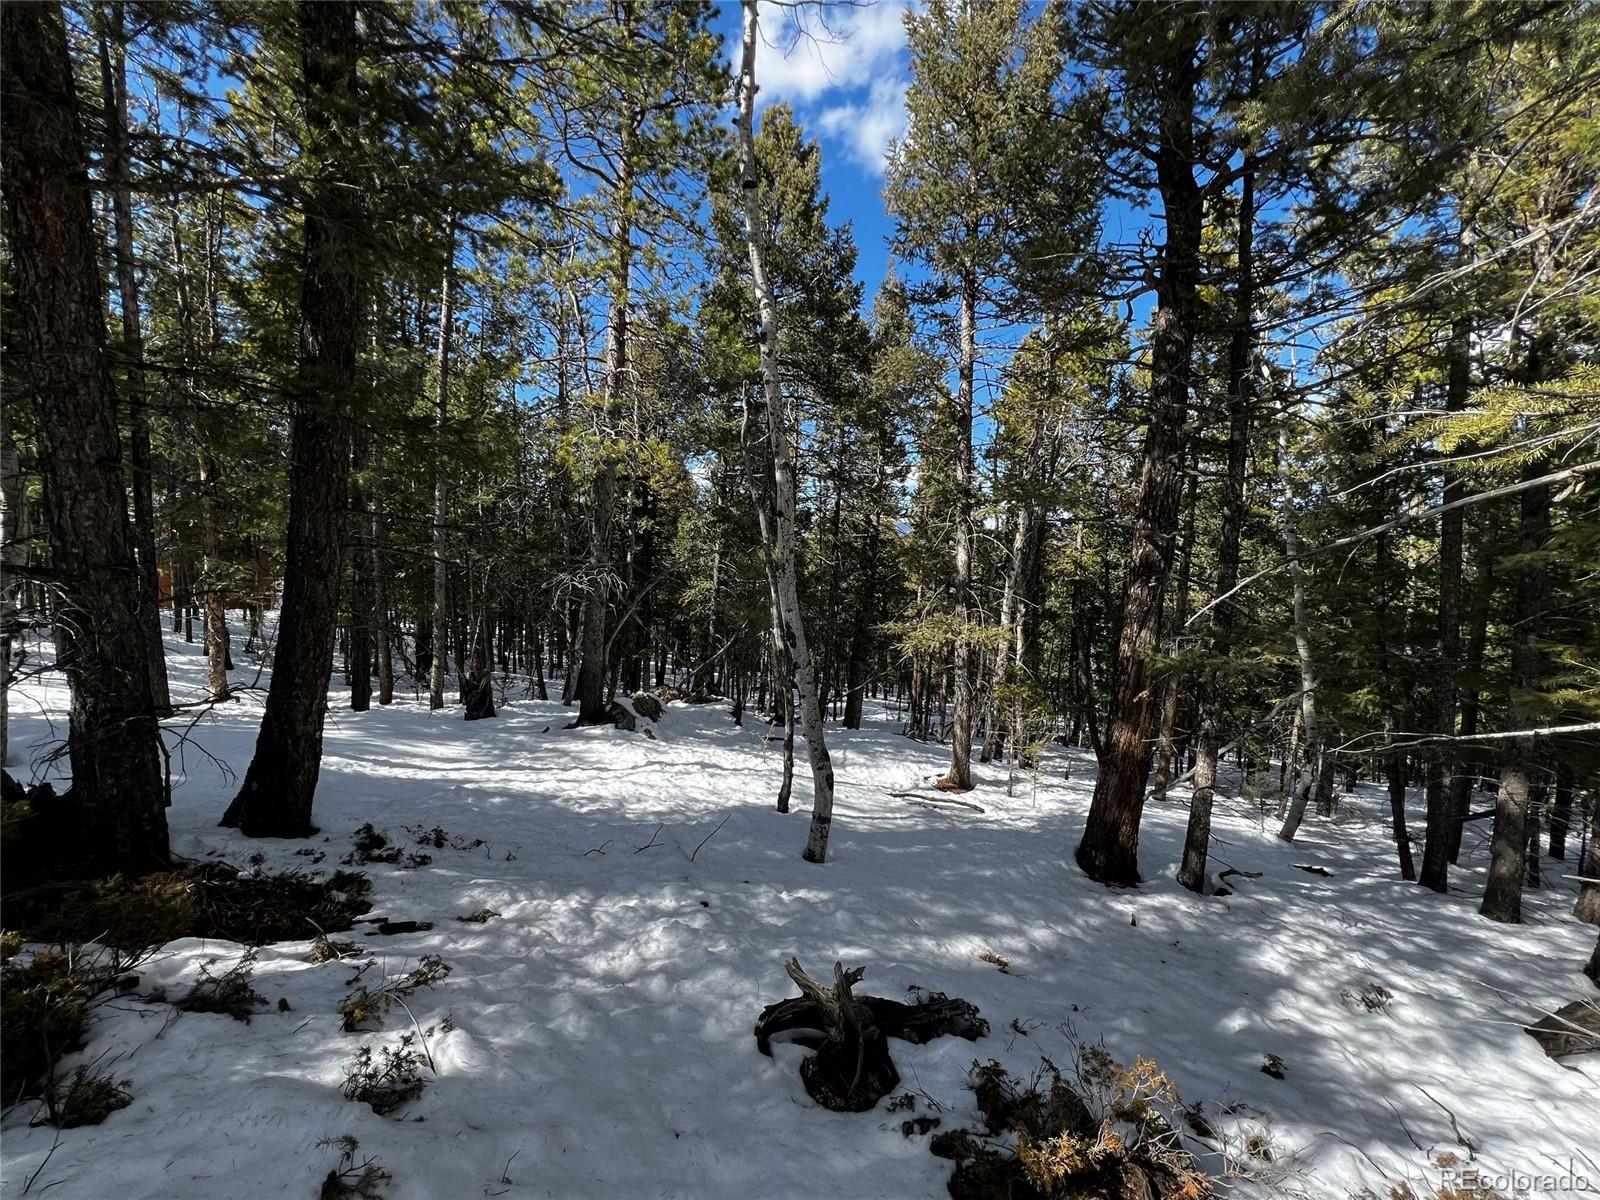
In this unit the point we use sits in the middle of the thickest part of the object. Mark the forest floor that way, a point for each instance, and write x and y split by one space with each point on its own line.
593 1036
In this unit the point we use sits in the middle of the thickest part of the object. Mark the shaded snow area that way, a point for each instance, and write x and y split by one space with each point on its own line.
598 1041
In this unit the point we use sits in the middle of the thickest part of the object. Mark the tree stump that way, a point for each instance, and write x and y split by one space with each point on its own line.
851 1069
479 691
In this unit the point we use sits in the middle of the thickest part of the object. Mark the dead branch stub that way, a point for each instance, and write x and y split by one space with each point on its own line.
851 1069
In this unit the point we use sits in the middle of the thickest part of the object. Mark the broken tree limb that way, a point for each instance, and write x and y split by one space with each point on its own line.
929 799
851 1069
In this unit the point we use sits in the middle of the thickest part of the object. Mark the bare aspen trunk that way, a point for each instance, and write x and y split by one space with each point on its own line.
441 421
1301 794
114 90
1008 608
794 630
782 668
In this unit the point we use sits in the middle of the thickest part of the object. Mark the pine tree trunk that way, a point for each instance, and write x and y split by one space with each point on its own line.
861 629
959 776
118 794
1467 768
440 642
379 532
783 479
479 684
592 663
114 95
211 590
1502 897
1109 849
1561 812
1587 907
1437 844
14 535
276 798
363 602
1396 761
1536 798
1224 618
1172 688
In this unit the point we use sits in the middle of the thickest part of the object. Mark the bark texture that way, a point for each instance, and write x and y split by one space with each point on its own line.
783 477
1502 896
118 793
114 96
1109 849
959 776
1224 618
1438 848
275 799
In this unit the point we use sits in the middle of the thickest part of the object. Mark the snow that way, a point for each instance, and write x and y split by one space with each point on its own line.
602 1021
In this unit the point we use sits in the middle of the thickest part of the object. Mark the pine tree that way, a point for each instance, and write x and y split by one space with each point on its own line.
1159 51
276 796
118 793
989 192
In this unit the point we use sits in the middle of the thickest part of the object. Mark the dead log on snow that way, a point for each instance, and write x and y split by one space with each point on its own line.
851 1069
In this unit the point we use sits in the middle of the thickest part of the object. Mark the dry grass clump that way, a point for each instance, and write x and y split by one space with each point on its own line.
1103 1135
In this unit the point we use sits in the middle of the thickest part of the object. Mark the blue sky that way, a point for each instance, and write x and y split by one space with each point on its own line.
845 76
844 68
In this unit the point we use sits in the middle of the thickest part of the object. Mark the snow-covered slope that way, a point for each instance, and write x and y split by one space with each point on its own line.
601 1042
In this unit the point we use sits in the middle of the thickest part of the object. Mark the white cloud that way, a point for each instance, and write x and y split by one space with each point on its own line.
808 51
866 129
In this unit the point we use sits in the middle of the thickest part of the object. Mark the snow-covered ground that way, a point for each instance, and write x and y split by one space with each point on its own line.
602 1021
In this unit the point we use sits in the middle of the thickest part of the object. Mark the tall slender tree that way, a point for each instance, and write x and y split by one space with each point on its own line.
276 796
991 196
1160 50
781 538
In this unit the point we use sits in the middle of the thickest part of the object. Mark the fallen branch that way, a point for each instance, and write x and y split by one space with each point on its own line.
709 836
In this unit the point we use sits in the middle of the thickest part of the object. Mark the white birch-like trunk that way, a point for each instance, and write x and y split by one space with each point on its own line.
794 631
